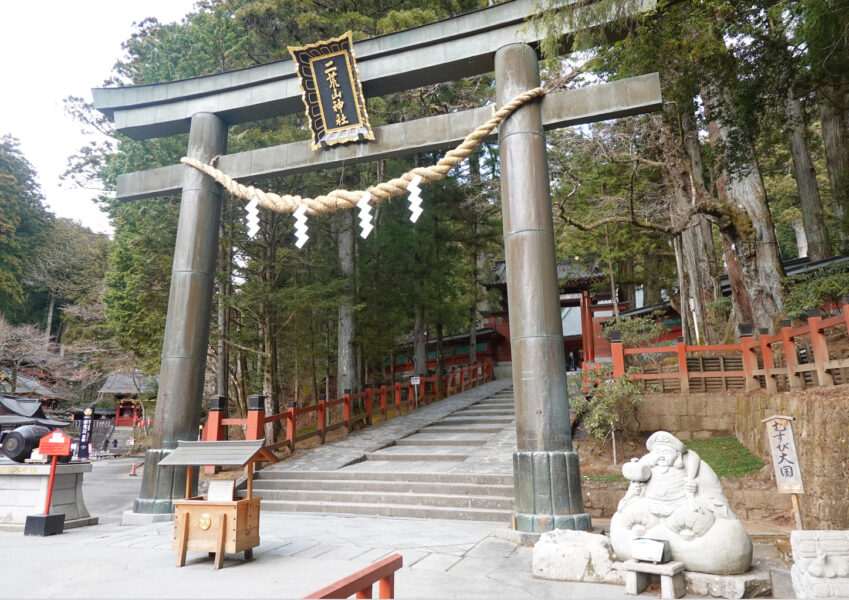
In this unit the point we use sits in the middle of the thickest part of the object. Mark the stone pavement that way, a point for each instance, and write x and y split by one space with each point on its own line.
299 553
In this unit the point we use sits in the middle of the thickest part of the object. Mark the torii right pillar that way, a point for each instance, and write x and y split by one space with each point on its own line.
547 480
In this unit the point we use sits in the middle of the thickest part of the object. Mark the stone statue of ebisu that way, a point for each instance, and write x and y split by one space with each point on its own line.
674 495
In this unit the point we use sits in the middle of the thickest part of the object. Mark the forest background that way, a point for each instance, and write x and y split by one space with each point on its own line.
745 167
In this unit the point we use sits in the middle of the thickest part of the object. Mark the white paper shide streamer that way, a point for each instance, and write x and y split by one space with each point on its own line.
365 215
253 217
415 199
301 226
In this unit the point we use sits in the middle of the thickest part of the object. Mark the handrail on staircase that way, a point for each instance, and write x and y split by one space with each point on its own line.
360 583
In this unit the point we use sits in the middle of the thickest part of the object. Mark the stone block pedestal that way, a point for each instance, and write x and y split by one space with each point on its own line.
23 492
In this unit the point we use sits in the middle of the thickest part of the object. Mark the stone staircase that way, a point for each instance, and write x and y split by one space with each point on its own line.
457 467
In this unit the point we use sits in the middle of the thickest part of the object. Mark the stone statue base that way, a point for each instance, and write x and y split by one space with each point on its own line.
23 492
726 550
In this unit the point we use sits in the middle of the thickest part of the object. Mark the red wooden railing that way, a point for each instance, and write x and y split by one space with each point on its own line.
768 361
360 583
300 424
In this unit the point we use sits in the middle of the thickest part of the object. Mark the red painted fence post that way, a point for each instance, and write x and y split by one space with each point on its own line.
383 402
683 373
769 363
790 359
290 428
617 353
215 429
398 399
346 410
820 347
750 361
255 428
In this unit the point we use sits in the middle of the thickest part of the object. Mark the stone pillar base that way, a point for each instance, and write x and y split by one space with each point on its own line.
548 492
160 486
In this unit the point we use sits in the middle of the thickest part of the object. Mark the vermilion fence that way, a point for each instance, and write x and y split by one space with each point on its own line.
816 354
303 423
362 582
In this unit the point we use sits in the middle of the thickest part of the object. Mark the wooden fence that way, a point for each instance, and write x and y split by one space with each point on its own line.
361 583
303 423
814 355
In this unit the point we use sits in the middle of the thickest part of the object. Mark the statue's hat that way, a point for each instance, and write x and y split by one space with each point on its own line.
664 437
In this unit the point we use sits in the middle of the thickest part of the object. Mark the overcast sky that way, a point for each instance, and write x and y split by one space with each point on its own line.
51 49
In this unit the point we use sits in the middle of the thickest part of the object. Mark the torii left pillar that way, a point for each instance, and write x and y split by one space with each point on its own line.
546 477
184 348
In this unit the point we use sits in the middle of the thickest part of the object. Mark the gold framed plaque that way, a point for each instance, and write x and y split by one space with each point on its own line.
332 92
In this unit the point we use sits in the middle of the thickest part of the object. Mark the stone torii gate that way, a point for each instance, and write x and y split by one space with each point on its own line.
547 480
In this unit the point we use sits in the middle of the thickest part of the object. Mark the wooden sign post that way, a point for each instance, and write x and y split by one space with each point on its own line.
785 460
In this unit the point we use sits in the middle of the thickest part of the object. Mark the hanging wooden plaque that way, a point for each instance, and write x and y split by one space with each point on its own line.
331 91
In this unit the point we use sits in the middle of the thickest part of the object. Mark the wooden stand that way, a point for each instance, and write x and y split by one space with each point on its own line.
216 526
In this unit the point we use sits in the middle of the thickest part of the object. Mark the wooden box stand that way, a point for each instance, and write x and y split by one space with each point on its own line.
216 526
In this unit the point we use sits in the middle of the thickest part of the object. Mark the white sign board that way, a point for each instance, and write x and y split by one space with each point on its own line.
220 490
415 380
785 461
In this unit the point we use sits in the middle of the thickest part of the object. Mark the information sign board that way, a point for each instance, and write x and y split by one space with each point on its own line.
785 461
55 443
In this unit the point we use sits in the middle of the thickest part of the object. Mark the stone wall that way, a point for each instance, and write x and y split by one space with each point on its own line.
602 497
751 500
822 432
822 439
688 416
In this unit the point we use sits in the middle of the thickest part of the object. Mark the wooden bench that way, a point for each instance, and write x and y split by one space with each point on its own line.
639 574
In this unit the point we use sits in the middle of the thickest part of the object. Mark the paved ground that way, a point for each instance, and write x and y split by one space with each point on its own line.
300 552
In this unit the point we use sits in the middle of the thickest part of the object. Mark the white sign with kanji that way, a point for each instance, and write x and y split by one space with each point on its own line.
785 461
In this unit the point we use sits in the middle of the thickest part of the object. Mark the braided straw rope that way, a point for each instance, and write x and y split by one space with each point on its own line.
342 199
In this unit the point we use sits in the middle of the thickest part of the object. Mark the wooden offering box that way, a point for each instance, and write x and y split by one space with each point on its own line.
217 525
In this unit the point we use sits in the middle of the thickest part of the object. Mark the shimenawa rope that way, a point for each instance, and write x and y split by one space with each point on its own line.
342 199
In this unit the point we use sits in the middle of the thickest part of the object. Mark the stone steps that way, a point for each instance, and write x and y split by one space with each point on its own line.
265 487
390 510
420 453
443 439
459 501
341 475
462 429
412 477
460 420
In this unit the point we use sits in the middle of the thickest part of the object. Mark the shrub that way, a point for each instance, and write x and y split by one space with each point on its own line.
610 406
823 289
637 331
